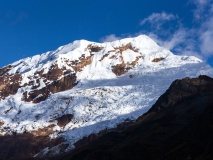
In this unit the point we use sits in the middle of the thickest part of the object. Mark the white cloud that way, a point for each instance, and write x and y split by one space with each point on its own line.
177 38
206 37
158 18
110 38
175 41
200 9
181 40
171 37
205 31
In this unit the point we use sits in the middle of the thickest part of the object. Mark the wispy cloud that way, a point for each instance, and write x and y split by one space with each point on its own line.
200 8
174 39
110 38
206 37
181 40
206 26
171 36
158 19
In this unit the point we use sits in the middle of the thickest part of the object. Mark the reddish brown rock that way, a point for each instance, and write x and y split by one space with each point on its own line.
123 68
5 70
93 48
158 59
126 47
83 61
62 84
52 82
104 56
9 85
1 123
46 131
64 120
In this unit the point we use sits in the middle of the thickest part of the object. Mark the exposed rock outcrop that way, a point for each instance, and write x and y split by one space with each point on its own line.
5 69
64 119
9 85
123 68
56 80
46 131
1 123
125 47
94 48
83 61
158 59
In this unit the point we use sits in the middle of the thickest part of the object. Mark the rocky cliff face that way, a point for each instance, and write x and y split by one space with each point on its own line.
86 88
178 126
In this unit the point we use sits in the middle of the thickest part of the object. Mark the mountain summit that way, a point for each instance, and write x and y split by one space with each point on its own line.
85 87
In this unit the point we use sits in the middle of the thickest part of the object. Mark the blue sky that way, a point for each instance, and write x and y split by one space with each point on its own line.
30 27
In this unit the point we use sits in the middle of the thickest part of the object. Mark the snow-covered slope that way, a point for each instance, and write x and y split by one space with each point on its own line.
85 87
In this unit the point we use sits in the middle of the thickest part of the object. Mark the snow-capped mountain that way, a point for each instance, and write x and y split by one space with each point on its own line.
86 87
